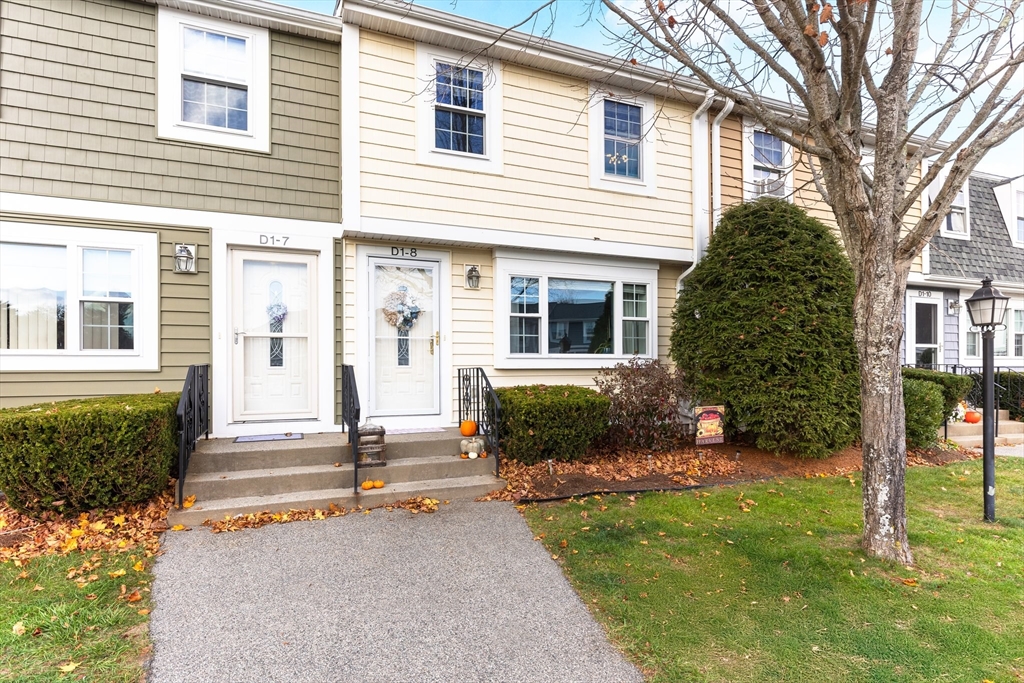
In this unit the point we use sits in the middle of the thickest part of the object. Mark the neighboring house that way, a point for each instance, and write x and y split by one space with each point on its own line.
983 236
396 188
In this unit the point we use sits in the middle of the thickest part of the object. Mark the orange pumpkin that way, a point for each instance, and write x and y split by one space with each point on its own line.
378 484
367 485
468 428
464 456
972 416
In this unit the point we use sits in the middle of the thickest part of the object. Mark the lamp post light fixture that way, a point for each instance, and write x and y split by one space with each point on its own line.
185 260
472 277
987 306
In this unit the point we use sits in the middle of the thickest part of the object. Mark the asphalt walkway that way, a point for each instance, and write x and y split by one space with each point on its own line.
464 594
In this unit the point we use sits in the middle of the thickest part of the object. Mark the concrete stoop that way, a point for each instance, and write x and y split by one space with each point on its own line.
1011 432
230 478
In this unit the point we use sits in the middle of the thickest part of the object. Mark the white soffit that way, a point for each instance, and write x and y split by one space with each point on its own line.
264 14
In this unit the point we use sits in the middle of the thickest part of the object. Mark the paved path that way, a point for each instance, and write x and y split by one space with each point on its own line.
1016 451
461 595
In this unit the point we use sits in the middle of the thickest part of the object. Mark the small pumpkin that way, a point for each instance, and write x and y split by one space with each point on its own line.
468 428
378 484
972 417
367 485
464 456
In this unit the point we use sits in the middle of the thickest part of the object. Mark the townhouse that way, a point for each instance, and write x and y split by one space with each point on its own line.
279 193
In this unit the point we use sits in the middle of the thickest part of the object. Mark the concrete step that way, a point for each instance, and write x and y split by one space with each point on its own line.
976 441
442 489
966 429
224 455
280 480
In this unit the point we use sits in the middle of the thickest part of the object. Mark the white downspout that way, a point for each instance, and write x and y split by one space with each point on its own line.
699 173
716 163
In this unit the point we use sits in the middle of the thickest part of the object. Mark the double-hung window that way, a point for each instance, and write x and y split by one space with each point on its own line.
213 81
459 109
973 349
956 219
623 132
768 176
77 298
573 315
1018 333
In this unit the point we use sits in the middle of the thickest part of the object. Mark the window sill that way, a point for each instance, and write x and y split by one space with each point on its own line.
966 237
215 138
56 361
561 362
462 161
623 185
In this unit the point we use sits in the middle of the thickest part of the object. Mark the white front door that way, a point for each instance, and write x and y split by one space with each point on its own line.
404 337
273 335
924 327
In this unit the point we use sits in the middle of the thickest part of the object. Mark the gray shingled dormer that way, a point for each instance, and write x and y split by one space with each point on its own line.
989 252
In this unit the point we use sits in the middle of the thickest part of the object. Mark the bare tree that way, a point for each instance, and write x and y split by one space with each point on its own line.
850 74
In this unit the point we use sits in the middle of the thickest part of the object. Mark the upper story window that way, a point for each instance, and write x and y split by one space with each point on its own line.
458 110
769 160
767 163
956 219
77 299
621 140
213 80
622 135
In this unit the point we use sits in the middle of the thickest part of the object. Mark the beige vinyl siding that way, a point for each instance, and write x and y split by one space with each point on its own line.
544 187
731 146
184 325
78 118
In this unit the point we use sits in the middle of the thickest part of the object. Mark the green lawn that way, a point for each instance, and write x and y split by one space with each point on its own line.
91 628
693 588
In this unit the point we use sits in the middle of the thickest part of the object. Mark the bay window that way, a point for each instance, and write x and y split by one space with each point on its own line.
573 314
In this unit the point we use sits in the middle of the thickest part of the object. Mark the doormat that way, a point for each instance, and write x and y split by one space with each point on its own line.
268 437
416 430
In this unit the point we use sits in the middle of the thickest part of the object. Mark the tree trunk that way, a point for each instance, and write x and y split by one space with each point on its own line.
878 325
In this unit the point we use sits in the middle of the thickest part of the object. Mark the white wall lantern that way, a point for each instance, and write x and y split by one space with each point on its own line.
472 277
185 260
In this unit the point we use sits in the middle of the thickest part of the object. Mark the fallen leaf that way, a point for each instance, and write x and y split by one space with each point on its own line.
19 628
910 582
134 596
178 527
37 587
143 612
139 566
189 502
90 596
69 667
115 574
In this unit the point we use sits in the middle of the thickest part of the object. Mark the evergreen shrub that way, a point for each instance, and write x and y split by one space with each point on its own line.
645 397
764 326
541 422
954 387
922 404
89 453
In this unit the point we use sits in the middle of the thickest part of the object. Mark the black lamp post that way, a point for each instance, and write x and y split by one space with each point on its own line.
987 306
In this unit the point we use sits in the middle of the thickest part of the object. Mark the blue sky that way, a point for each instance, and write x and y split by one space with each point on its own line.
573 24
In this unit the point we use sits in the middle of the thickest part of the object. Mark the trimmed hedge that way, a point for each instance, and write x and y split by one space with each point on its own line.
89 453
922 404
764 326
542 422
954 387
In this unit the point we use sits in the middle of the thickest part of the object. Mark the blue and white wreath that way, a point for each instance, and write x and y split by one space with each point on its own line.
401 309
277 312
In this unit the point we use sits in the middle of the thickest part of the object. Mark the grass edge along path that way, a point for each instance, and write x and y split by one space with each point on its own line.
767 581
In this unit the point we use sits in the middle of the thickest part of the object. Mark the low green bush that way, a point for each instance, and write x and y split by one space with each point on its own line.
922 403
79 455
542 422
954 387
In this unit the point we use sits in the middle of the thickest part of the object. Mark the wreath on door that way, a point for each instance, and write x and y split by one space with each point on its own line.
401 309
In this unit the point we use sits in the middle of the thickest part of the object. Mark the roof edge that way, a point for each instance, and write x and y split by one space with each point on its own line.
264 14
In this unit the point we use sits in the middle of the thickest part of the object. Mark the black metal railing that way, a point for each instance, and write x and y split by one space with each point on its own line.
479 402
193 420
350 410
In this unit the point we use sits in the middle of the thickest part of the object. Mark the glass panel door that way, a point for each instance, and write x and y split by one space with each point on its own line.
926 333
272 336
405 336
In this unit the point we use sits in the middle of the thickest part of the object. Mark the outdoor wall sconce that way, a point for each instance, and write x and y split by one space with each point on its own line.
953 307
472 277
185 260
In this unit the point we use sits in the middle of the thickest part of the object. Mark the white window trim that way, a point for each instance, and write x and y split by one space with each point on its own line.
145 282
647 184
509 263
170 72
977 347
492 160
933 190
1010 207
749 126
